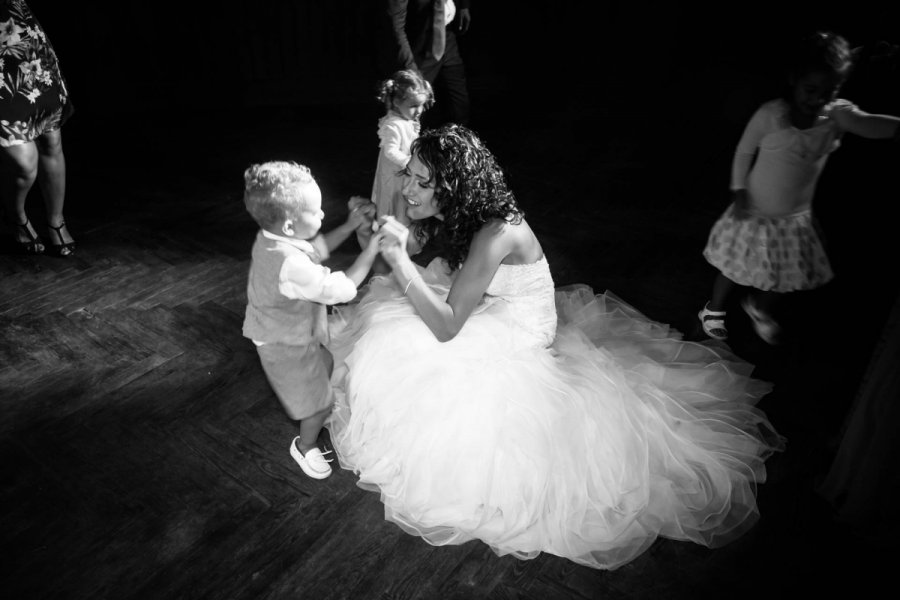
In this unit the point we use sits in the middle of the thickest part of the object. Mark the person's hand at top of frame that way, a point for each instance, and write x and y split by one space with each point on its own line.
465 18
393 239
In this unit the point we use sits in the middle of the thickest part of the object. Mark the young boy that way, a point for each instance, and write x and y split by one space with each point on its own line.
288 289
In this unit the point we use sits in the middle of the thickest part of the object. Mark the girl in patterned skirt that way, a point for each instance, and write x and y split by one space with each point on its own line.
767 239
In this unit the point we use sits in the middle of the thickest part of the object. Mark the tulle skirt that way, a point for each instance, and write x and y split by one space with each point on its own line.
590 449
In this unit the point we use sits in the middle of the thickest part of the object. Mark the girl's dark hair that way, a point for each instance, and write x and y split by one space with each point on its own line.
823 51
469 187
401 86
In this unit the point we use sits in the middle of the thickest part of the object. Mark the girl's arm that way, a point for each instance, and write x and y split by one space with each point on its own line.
754 131
850 118
392 144
445 318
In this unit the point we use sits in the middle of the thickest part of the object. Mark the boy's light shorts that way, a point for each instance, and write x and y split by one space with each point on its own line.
300 376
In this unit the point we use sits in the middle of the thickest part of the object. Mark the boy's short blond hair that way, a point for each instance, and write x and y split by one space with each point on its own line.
275 191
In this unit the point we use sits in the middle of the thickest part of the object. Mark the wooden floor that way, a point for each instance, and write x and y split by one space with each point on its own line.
143 455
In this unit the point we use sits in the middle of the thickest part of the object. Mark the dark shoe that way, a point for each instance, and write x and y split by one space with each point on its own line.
63 249
33 245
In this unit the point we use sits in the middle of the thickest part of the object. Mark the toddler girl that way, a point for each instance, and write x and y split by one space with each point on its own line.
767 239
406 95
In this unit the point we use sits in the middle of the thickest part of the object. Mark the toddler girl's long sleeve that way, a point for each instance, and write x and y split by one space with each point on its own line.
395 135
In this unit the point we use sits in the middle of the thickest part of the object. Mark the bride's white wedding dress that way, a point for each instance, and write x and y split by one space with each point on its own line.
556 421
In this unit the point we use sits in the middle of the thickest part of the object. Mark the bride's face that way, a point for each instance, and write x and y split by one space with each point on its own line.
418 191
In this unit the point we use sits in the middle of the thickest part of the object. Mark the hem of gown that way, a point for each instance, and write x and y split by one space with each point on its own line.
651 380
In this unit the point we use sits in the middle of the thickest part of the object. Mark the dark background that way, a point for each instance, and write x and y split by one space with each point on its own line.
680 79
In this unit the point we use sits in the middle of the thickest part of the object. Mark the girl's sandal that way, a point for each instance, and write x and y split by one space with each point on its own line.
713 323
765 326
33 245
63 249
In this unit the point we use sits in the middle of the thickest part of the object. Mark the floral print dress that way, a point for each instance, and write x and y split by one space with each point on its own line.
33 95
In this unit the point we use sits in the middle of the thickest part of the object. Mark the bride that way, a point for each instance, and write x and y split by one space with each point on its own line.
481 403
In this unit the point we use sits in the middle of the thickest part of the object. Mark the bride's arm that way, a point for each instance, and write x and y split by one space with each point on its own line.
445 319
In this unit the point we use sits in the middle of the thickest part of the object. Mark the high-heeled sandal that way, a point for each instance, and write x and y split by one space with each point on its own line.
33 245
63 249
713 323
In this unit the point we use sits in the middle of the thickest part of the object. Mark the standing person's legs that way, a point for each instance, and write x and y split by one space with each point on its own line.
17 174
452 79
52 181
431 70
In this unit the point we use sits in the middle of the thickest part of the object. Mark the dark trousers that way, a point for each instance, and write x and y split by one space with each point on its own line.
448 77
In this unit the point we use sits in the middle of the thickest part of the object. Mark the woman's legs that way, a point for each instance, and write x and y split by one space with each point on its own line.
52 181
19 170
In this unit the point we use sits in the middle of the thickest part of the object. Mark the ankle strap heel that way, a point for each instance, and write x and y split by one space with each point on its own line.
63 249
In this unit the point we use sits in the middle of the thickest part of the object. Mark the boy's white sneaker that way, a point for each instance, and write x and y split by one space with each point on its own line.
314 463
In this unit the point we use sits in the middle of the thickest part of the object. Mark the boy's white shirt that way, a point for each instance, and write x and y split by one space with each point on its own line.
302 279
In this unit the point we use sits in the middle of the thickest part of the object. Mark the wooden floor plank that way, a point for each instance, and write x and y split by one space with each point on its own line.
43 294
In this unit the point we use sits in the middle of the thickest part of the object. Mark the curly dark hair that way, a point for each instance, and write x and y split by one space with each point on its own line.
469 186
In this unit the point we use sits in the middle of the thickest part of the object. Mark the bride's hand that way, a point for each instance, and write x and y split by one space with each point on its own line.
393 239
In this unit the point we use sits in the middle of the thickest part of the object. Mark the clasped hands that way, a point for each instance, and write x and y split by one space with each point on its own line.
392 236
388 233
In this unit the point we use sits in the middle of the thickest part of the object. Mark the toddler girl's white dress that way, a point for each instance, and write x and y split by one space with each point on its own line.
555 421
395 135
778 246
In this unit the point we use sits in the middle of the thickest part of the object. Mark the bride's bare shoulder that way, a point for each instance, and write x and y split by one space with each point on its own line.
515 241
